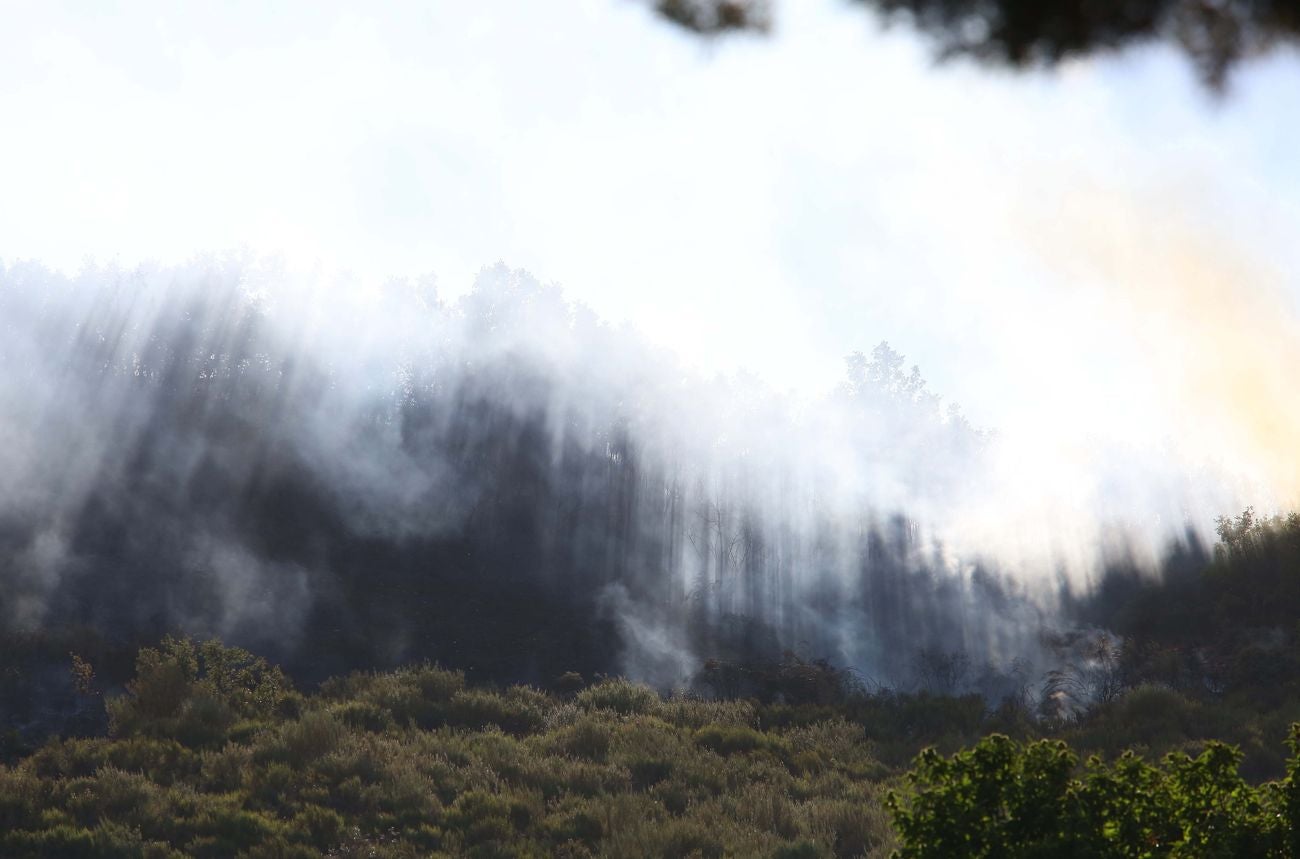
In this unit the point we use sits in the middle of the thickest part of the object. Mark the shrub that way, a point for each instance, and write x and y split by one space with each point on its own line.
22 794
620 696
196 692
800 850
678 839
311 737
480 817
320 827
225 770
853 828
581 825
478 709
105 841
270 783
1003 799
68 758
588 739
434 683
162 760
224 831
647 772
730 739
364 716
110 794
417 695
569 683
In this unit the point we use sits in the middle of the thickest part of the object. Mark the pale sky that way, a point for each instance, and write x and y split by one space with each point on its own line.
767 203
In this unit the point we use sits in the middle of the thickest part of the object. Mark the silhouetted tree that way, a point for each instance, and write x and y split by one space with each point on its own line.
1214 34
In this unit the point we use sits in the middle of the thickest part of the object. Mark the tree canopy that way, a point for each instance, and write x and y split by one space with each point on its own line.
1214 34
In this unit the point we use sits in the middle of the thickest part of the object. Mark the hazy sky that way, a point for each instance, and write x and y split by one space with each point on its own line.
766 203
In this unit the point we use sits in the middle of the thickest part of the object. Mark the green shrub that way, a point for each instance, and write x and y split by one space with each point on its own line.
279 848
679 839
311 737
731 739
434 683
320 827
224 831
582 825
587 738
569 684
407 793
196 692
415 695
647 772
1003 799
365 716
271 783
800 850
204 720
853 828
248 730
479 817
674 795
22 794
226 769
620 696
106 841
109 794
479 709
162 760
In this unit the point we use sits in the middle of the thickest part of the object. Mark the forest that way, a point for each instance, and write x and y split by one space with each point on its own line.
483 594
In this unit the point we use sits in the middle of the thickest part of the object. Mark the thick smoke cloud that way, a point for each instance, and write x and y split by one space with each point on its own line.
343 477
503 483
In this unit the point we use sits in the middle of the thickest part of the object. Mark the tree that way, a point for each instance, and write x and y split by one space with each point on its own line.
1214 34
1001 798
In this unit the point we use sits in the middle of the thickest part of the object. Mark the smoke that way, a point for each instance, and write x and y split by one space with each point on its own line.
1212 323
347 475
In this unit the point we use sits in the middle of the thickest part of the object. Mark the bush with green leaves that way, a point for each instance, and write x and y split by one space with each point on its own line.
618 695
1006 799
197 692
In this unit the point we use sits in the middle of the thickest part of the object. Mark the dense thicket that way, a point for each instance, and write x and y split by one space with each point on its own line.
213 754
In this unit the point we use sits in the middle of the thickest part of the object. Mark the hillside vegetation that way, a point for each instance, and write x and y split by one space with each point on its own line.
1159 738
212 753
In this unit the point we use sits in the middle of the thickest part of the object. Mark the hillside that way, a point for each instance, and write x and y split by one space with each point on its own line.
213 754
211 751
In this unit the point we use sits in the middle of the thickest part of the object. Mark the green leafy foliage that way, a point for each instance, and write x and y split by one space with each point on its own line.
197 693
1007 799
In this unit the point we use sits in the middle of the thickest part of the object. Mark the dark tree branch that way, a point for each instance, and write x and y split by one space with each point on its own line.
1214 34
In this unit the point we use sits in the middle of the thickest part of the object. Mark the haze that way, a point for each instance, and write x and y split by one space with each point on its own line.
769 205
